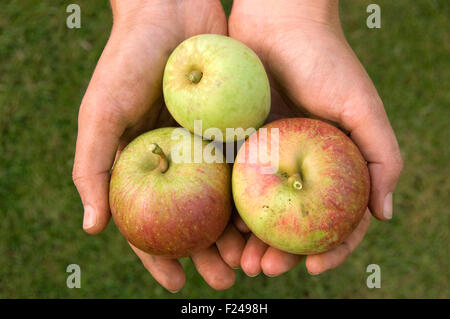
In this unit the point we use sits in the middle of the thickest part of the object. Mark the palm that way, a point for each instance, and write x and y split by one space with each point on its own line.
313 72
124 98
145 66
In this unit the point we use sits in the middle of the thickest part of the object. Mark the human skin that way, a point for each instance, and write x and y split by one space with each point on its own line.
314 72
309 59
124 99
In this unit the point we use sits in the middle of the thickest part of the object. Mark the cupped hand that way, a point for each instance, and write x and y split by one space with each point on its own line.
314 72
124 99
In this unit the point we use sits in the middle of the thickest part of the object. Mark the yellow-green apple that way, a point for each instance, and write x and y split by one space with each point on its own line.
165 201
316 192
218 80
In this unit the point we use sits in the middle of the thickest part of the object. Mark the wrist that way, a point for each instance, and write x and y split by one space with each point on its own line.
323 11
138 11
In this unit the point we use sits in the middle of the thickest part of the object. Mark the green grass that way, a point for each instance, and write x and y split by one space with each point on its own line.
44 70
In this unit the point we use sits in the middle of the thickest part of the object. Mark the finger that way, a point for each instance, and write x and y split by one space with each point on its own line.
276 262
120 93
317 264
213 269
98 137
168 272
230 246
373 134
239 223
252 255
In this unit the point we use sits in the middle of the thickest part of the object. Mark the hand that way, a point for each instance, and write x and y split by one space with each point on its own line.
314 72
124 99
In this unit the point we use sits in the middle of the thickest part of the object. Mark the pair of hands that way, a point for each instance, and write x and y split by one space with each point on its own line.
313 71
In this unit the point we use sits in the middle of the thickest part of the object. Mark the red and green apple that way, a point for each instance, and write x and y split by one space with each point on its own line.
316 193
165 206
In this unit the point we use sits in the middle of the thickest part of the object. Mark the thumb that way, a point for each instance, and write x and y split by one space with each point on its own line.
120 93
373 133
97 141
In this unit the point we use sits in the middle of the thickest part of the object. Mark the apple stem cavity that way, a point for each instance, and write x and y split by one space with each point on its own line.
296 181
195 76
163 163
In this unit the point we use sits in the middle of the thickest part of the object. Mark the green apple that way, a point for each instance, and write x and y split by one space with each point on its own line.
316 193
218 80
165 206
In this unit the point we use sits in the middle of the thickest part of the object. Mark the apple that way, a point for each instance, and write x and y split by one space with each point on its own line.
218 80
316 193
167 207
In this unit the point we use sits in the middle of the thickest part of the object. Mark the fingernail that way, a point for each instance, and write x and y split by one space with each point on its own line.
271 276
174 291
90 218
253 275
312 274
387 207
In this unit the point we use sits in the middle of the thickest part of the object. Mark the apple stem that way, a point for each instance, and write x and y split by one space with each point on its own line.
296 181
163 163
195 76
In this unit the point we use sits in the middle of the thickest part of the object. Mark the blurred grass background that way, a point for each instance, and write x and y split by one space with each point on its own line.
44 70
